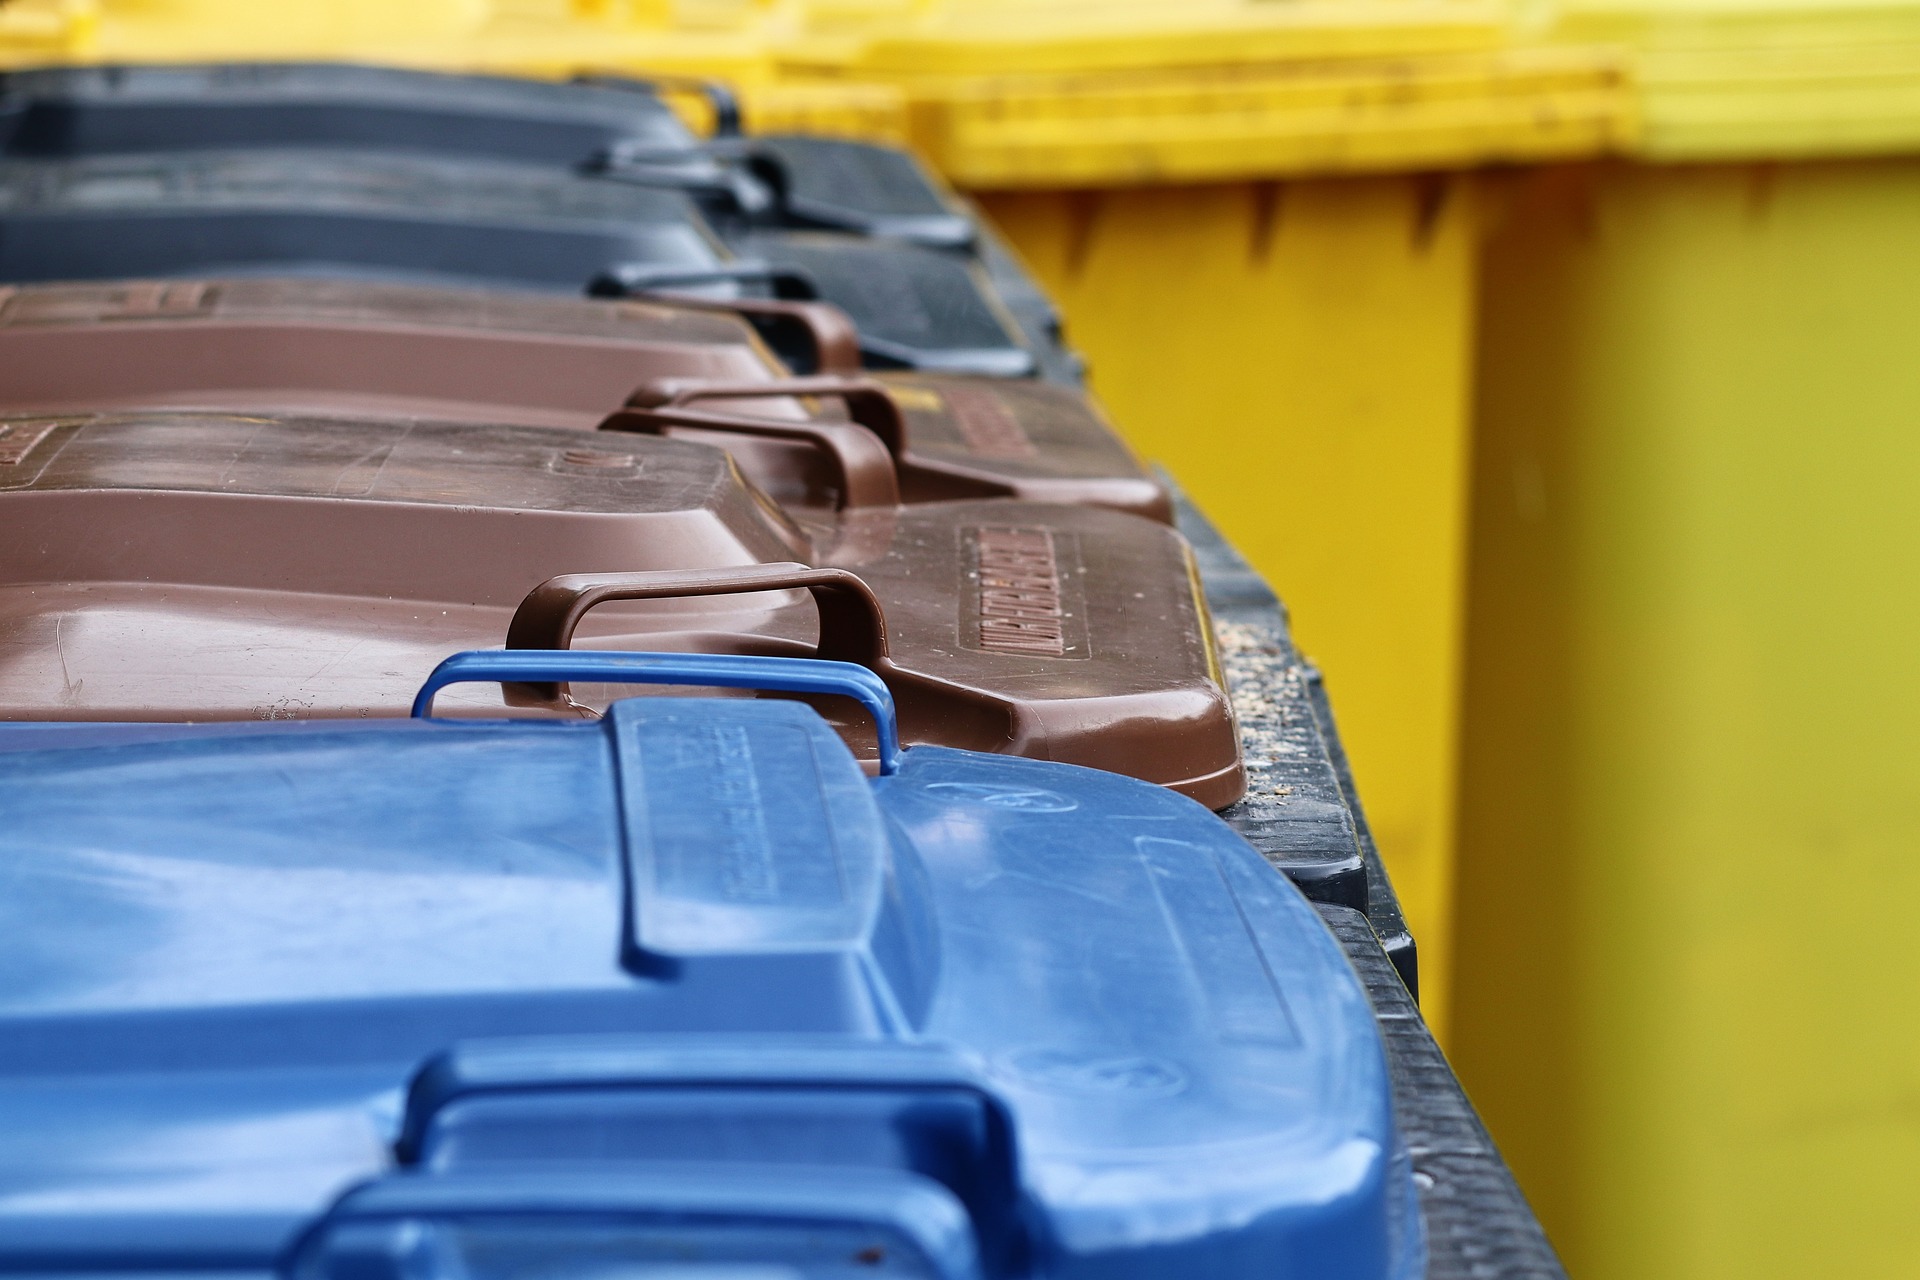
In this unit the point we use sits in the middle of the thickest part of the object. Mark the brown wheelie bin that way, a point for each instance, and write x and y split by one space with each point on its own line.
341 347
171 565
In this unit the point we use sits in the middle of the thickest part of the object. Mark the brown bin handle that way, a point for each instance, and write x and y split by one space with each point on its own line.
853 627
869 403
868 476
829 330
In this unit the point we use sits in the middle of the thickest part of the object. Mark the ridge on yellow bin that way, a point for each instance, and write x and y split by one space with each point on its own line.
1011 37
1318 116
1005 93
1757 79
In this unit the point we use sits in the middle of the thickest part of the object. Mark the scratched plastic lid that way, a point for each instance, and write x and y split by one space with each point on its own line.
674 993
207 566
334 347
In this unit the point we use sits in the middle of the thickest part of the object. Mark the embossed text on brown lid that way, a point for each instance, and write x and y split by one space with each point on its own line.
1064 633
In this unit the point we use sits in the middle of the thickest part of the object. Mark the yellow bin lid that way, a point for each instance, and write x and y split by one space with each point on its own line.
1731 79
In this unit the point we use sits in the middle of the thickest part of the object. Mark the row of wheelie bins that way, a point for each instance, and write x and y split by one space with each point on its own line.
580 701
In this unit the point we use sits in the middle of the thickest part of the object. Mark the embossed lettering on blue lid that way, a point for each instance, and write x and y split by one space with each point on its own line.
745 830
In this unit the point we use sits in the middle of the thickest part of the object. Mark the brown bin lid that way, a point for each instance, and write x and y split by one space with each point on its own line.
341 347
218 566
334 347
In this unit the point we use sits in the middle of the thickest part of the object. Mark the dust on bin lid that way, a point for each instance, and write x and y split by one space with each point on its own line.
342 346
677 991
948 435
356 214
95 110
212 566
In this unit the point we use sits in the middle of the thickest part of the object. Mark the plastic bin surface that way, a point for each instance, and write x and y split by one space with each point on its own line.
495 224
346 347
678 992
220 566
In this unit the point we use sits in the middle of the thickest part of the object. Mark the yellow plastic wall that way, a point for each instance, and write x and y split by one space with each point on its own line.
1298 355
1686 991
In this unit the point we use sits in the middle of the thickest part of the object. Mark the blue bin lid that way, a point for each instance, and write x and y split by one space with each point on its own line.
676 993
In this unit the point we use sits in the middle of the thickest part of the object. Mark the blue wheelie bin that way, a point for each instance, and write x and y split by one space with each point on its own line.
680 992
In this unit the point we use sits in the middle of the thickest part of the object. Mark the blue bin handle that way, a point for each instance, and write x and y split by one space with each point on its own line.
791 1213
718 670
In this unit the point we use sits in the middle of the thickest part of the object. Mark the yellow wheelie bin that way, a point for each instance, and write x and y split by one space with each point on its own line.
1685 956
